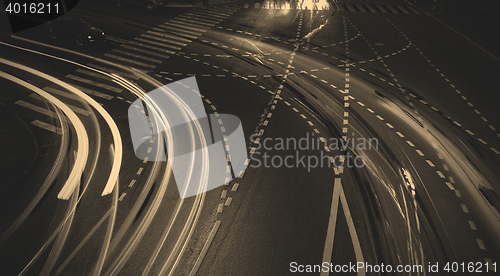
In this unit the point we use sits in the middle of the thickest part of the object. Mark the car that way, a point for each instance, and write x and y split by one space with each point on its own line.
74 29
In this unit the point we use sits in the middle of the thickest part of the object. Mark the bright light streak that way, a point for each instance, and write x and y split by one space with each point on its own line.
81 132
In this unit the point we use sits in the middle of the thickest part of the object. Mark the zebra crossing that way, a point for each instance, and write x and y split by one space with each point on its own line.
143 53
346 7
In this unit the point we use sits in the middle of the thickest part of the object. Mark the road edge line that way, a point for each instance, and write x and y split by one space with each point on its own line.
205 248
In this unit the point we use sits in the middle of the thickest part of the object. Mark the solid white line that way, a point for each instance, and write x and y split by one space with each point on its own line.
332 223
205 248
352 230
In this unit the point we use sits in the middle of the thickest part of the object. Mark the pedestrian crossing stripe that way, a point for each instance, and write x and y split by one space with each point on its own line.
347 7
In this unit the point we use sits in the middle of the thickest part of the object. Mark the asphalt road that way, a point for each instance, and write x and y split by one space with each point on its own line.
371 135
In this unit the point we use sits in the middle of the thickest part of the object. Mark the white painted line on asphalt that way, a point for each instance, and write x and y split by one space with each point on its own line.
78 110
440 174
137 56
420 152
142 51
371 8
205 248
361 8
332 224
352 230
381 8
403 9
480 243
130 60
37 108
92 92
94 83
122 196
47 126
464 208
392 8
132 182
109 70
235 187
152 47
450 186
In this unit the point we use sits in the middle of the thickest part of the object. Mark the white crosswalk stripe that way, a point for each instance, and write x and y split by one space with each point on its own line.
195 26
180 32
181 20
93 74
192 30
109 70
402 9
64 94
73 96
170 41
158 43
137 56
130 61
350 7
361 8
392 8
345 7
204 17
92 92
78 110
381 8
151 47
47 126
413 10
162 33
371 8
143 51
37 108
94 83
207 21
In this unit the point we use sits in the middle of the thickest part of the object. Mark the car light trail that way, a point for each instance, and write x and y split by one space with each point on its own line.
83 142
